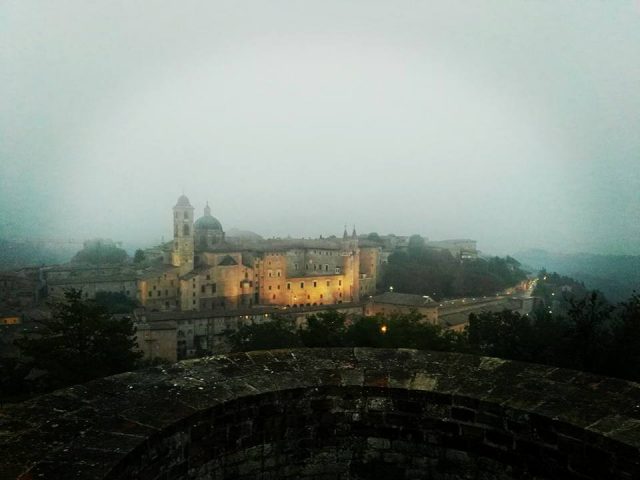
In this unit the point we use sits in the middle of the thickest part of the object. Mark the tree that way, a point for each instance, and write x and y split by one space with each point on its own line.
100 252
139 256
12 378
325 329
407 330
264 336
81 342
374 237
416 244
624 355
505 334
589 336
115 302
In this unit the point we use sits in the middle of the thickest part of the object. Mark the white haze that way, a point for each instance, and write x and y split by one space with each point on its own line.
514 123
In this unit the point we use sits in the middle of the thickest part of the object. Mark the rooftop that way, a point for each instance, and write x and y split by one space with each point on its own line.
404 299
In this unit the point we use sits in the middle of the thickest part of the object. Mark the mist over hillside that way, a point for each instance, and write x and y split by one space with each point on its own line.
14 254
614 275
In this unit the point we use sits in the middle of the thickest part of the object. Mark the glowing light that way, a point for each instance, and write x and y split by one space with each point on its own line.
383 329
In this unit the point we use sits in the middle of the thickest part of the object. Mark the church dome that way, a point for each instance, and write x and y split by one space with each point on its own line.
207 222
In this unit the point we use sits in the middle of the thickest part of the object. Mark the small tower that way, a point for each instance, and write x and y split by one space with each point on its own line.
182 252
351 266
354 239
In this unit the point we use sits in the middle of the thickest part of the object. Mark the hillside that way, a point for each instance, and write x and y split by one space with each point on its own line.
614 275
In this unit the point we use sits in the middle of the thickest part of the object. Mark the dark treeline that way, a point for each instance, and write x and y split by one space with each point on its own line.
423 270
80 342
587 333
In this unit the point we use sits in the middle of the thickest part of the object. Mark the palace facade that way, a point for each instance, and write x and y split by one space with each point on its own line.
200 270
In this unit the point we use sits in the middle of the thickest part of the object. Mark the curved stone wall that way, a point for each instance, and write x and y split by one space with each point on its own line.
330 413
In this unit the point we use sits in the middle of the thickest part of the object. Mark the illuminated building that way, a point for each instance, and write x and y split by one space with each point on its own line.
201 270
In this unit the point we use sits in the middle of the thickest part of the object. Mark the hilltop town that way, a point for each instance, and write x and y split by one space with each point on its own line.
189 293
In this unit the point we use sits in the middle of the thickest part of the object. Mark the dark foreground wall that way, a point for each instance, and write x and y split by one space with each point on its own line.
329 414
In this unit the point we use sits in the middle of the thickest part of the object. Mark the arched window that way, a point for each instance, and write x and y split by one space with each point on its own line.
185 230
186 215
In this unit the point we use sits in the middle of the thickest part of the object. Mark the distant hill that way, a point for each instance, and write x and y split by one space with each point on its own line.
614 275
27 254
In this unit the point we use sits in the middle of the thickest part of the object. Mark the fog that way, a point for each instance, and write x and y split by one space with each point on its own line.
513 123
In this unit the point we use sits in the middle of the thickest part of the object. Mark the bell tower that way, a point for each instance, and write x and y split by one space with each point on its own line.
182 252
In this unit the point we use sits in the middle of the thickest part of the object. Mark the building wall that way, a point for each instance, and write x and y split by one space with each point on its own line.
271 277
90 287
157 341
160 291
313 261
202 333
374 308
369 265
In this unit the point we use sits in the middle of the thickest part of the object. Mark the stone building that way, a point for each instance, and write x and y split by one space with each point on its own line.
175 335
390 303
200 270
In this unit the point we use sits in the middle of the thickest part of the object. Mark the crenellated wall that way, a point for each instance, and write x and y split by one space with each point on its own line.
330 413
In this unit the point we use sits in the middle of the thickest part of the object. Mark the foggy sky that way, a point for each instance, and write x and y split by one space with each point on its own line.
514 123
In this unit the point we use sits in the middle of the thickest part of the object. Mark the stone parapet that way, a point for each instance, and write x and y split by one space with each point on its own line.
330 413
